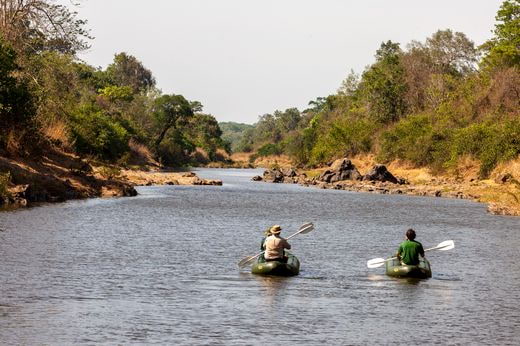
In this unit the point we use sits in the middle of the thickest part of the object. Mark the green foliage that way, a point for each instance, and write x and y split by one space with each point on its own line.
504 49
269 149
16 104
97 134
343 137
233 133
416 139
489 142
126 70
117 93
383 86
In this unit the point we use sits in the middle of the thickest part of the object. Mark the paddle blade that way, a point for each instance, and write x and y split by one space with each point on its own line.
375 263
446 245
306 228
246 261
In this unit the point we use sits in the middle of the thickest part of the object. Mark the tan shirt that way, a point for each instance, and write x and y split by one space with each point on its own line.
274 246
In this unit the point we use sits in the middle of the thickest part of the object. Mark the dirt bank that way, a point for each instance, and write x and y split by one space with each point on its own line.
57 176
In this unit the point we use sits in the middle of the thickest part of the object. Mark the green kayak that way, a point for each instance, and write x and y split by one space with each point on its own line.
291 268
396 269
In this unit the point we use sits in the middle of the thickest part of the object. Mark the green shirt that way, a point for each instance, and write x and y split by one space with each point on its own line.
409 251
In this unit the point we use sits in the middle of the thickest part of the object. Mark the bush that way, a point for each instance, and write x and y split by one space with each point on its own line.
97 134
269 149
415 139
490 142
343 138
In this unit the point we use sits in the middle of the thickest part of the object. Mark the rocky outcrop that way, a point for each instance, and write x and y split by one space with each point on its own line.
340 170
381 173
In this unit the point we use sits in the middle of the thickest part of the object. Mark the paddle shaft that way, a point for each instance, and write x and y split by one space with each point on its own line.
446 245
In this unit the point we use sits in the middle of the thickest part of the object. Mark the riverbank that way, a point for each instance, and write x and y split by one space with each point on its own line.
57 176
501 192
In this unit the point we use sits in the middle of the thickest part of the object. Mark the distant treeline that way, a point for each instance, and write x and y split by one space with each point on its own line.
429 104
50 97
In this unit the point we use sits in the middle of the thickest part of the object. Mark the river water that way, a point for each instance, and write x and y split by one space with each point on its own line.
161 268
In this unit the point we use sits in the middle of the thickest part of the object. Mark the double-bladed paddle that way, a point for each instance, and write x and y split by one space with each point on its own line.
305 228
378 262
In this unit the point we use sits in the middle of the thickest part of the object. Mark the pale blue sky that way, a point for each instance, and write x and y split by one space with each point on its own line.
245 58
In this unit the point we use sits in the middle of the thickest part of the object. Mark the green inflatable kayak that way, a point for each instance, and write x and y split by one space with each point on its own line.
396 269
291 268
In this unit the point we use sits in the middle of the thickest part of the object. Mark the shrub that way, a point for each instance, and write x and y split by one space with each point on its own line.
489 142
269 149
415 139
98 134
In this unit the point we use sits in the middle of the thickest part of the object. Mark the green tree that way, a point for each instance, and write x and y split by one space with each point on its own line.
383 84
504 48
169 112
16 104
126 70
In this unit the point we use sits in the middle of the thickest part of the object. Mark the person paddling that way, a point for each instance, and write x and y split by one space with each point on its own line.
410 250
275 245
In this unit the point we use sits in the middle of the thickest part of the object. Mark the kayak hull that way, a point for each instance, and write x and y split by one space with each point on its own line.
276 268
420 271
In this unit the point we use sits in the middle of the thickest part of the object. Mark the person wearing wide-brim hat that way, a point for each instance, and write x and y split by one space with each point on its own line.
275 245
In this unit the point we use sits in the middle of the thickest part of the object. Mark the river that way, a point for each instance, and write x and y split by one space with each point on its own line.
160 268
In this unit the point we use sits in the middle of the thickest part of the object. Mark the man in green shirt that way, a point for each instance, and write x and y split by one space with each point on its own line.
409 250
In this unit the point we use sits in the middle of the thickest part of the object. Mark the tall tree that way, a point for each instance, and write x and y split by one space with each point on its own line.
504 48
33 26
126 70
169 112
383 85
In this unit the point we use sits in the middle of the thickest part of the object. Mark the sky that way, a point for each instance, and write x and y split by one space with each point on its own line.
245 58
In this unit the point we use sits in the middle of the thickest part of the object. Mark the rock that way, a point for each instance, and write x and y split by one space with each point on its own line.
289 172
504 178
257 178
189 175
172 182
380 173
340 170
273 176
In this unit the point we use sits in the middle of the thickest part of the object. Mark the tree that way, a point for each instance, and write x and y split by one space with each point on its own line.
16 106
383 85
169 112
126 70
32 26
451 52
504 48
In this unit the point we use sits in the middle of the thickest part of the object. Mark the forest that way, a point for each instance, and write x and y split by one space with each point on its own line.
429 103
49 98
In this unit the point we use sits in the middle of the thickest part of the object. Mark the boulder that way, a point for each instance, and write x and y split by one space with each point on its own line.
257 178
380 173
340 170
273 176
504 178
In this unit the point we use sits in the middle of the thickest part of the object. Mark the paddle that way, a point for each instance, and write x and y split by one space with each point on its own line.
378 262
304 229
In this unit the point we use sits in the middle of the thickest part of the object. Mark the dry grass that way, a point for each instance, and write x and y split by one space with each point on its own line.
281 161
141 154
512 167
58 132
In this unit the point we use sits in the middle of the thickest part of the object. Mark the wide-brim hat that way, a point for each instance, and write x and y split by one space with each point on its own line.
276 229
